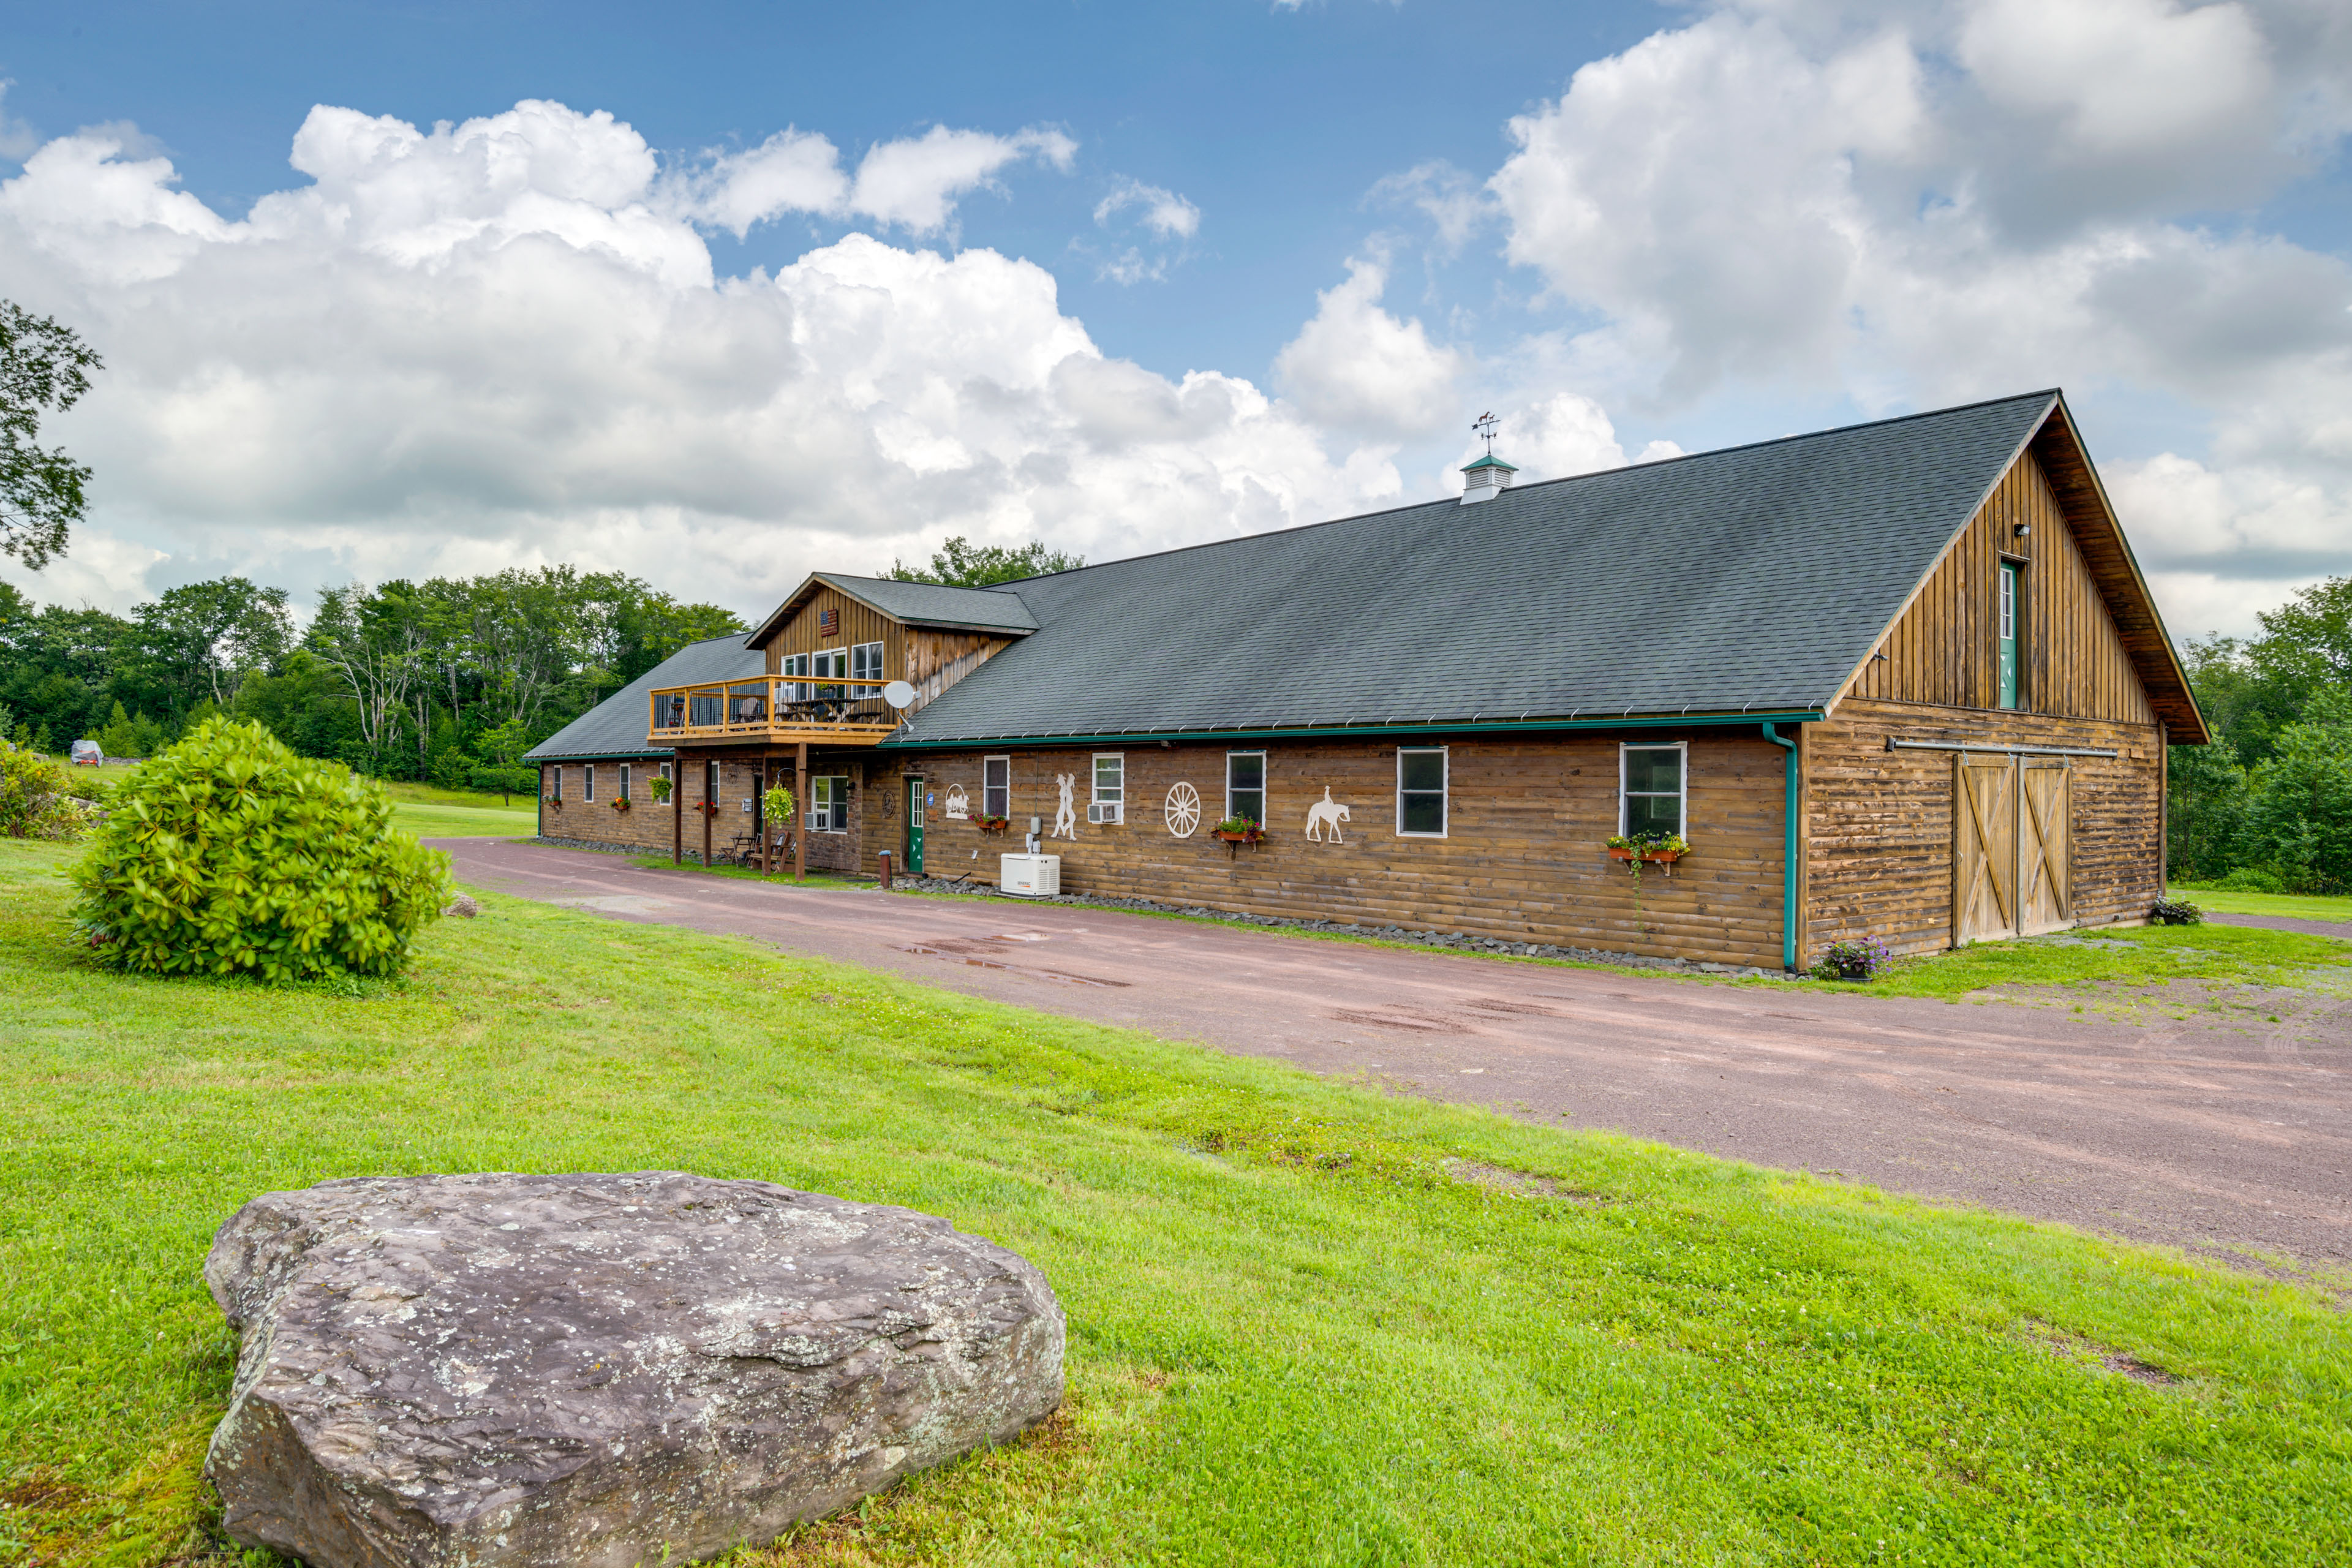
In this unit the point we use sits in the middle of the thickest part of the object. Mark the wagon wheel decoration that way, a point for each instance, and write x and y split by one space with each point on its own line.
1183 810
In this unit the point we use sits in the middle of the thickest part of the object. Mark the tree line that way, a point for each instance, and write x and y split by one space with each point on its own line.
448 681
2268 806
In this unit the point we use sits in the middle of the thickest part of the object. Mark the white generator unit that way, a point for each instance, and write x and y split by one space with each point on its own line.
1030 876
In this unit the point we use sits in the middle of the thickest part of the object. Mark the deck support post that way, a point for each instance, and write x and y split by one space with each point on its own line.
676 809
799 809
762 829
709 803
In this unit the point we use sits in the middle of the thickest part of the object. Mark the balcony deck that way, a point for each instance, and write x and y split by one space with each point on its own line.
770 710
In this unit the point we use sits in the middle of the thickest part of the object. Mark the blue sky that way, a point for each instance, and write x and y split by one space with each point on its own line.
1345 228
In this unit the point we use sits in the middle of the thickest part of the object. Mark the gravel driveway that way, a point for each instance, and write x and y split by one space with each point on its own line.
2226 1137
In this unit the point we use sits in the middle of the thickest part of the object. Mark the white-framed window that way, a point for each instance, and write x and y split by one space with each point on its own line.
833 663
794 666
665 770
1422 780
588 782
711 784
555 790
1245 787
996 786
828 808
866 661
625 781
1109 802
1652 787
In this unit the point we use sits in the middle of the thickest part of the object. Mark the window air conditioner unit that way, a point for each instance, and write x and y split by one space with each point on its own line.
1103 811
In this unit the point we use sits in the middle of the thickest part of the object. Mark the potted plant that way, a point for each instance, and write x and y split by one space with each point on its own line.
620 802
1239 830
1855 958
661 790
994 824
708 808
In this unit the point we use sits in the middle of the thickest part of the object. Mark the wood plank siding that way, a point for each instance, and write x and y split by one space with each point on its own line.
1523 858
1881 837
1943 651
1882 830
856 624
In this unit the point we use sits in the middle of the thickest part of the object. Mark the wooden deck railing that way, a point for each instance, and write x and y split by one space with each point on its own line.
837 711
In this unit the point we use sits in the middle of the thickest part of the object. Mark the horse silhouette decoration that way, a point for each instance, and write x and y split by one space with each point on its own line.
1324 814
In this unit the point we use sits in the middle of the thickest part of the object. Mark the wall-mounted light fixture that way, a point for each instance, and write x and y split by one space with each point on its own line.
2024 529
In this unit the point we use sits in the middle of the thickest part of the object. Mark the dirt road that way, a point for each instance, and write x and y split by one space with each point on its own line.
2225 1137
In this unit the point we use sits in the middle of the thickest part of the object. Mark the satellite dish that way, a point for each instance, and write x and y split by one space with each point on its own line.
899 694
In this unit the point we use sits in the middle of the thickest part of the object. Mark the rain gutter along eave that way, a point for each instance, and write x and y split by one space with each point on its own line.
1433 727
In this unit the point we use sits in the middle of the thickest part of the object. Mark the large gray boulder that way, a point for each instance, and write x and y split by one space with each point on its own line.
600 1371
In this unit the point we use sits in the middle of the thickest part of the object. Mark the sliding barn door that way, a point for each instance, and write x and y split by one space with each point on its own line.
2045 898
1984 857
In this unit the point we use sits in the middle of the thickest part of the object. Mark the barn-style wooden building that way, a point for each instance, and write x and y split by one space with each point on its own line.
1901 680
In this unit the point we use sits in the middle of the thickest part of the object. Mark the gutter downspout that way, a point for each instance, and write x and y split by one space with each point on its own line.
1789 848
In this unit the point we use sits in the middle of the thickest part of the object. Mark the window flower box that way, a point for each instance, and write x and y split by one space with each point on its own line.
992 824
1654 857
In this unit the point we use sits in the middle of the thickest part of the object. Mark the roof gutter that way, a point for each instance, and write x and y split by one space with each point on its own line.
1792 842
1325 731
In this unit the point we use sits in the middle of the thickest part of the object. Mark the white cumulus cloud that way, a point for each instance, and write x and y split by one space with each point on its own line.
502 342
913 183
1355 367
1924 202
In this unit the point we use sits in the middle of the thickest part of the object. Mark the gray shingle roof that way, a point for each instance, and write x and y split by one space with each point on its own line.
930 604
1753 579
616 726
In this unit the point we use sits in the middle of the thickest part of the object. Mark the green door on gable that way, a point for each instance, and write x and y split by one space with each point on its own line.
2009 611
915 815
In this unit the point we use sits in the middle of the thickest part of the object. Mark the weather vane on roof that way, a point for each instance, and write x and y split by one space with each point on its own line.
1484 426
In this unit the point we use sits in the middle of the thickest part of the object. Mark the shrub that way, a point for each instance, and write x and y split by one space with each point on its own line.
2171 911
37 798
2250 879
230 855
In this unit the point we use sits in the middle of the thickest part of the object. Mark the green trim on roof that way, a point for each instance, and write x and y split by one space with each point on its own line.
1513 726
1490 461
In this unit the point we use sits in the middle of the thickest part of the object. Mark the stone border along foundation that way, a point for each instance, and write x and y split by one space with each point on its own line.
1458 941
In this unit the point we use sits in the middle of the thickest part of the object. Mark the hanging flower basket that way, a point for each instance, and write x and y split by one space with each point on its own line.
708 808
621 804
553 801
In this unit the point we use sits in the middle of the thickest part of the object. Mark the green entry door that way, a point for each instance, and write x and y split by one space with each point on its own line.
915 816
2008 615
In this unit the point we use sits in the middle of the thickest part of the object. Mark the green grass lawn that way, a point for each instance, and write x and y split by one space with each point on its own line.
2310 907
466 821
2119 965
1297 1336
